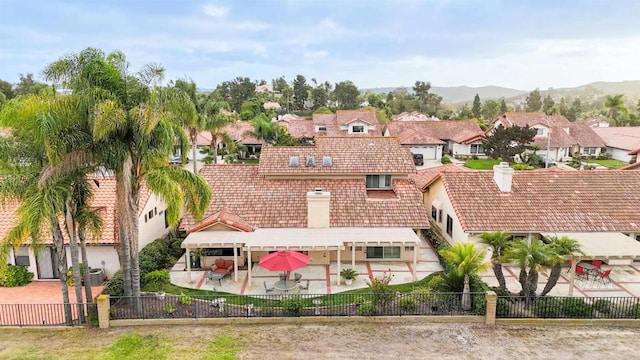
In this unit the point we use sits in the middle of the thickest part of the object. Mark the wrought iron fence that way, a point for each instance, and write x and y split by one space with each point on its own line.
38 314
555 307
219 306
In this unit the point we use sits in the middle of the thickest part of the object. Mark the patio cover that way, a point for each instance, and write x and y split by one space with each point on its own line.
603 244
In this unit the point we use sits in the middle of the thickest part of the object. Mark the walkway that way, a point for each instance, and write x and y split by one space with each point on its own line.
40 292
322 278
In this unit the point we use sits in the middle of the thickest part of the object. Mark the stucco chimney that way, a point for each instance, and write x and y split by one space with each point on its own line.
318 208
503 176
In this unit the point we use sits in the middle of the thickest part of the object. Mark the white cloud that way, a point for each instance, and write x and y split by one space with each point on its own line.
215 11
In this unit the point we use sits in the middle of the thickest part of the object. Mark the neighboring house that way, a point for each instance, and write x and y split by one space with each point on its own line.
343 122
413 116
636 164
434 138
241 133
102 252
272 105
563 138
596 121
344 198
620 140
591 206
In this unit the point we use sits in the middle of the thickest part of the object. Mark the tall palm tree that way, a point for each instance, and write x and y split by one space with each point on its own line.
616 106
564 247
531 257
498 241
134 126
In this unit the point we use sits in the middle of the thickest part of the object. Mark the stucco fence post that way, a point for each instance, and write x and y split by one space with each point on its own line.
492 301
103 311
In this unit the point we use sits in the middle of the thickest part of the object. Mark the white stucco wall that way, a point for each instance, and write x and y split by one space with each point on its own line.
153 228
438 194
619 154
429 152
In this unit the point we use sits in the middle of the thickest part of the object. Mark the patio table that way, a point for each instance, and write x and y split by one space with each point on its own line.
215 276
285 285
590 268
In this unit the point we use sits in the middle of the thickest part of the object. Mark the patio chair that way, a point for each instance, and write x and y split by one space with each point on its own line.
569 268
267 289
604 276
305 287
297 277
283 277
596 263
581 272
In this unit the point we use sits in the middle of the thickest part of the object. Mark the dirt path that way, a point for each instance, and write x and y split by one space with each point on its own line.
343 341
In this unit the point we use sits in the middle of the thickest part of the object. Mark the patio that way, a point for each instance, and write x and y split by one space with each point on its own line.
320 276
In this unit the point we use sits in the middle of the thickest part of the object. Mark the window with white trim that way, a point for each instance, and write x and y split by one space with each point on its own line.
383 252
357 129
477 149
434 213
449 225
588 151
22 256
539 132
378 181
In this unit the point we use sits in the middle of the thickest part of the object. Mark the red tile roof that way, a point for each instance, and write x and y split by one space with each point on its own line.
350 155
282 203
416 137
300 128
226 217
460 131
593 201
411 116
634 166
625 138
424 177
332 122
240 131
367 116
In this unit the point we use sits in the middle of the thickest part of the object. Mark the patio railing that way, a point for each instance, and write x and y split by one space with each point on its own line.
37 314
218 306
555 307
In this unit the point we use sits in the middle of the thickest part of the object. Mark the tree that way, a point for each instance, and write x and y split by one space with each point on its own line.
563 247
466 261
616 107
7 90
236 91
575 110
477 107
133 125
249 110
300 92
27 85
548 104
498 241
346 95
490 109
505 143
531 258
465 112
421 89
503 106
534 101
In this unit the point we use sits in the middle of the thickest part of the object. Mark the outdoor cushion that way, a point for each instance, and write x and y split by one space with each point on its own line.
222 266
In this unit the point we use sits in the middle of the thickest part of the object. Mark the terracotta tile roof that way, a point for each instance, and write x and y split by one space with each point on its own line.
239 131
332 122
411 116
226 217
460 131
282 203
585 136
346 117
625 138
425 176
350 155
634 166
203 139
416 137
300 128
594 201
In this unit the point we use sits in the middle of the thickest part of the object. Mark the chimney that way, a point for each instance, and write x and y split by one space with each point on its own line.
503 176
318 208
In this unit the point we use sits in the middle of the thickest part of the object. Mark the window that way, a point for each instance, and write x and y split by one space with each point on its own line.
311 161
434 213
358 248
155 211
293 161
22 256
327 161
539 132
440 216
321 128
150 214
166 220
589 151
357 129
477 149
638 237
408 248
449 225
378 181
145 218
383 252
221 252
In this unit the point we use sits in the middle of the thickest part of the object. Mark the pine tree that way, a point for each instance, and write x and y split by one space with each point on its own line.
477 107
534 101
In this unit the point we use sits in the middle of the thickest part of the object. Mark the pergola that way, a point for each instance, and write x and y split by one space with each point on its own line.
599 246
273 239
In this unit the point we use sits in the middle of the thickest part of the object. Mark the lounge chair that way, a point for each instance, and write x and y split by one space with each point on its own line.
267 289
297 277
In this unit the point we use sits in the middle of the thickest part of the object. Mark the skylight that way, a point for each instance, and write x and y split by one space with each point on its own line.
327 161
311 161
293 161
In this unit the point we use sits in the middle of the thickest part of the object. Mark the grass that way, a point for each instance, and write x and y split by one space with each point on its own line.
482 164
610 163
249 161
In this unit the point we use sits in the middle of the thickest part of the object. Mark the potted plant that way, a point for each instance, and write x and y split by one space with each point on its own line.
348 275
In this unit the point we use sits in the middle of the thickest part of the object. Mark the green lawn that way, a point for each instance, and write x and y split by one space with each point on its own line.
249 161
611 164
481 164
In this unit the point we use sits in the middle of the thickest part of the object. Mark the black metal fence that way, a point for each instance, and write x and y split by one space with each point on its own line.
223 306
552 307
38 314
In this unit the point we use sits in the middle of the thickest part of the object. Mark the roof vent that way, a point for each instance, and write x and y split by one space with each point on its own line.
293 161
311 161
327 161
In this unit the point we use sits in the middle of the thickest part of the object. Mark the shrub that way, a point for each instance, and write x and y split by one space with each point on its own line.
383 293
156 280
445 160
184 299
500 291
293 305
70 279
170 308
348 274
407 304
115 285
159 254
474 157
522 167
14 275
367 309
548 308
503 307
577 308
633 311
603 306
480 304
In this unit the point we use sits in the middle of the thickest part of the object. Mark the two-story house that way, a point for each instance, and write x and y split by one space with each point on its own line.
343 122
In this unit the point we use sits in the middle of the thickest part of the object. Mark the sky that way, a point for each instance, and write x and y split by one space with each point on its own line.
518 43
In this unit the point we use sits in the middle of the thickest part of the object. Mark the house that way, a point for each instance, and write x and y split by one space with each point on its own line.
597 121
590 206
343 122
413 116
636 164
242 133
555 134
620 140
435 138
102 252
343 198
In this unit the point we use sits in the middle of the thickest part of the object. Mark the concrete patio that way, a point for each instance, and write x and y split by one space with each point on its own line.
322 278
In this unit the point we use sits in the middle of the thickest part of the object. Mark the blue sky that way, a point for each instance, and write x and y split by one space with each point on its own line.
521 44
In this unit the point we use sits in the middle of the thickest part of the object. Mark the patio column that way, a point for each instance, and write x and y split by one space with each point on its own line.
415 261
235 263
249 266
187 255
353 255
572 274
338 275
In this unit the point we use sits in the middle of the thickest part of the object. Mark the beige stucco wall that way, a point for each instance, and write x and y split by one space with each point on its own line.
437 192
154 228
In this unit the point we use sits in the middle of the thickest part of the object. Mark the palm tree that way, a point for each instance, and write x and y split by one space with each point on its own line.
531 257
563 246
616 106
466 260
498 241
134 127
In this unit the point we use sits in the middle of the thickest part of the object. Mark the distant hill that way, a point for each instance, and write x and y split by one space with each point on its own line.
456 94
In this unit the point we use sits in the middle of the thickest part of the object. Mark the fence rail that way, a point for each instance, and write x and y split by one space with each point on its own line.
37 314
218 306
555 307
